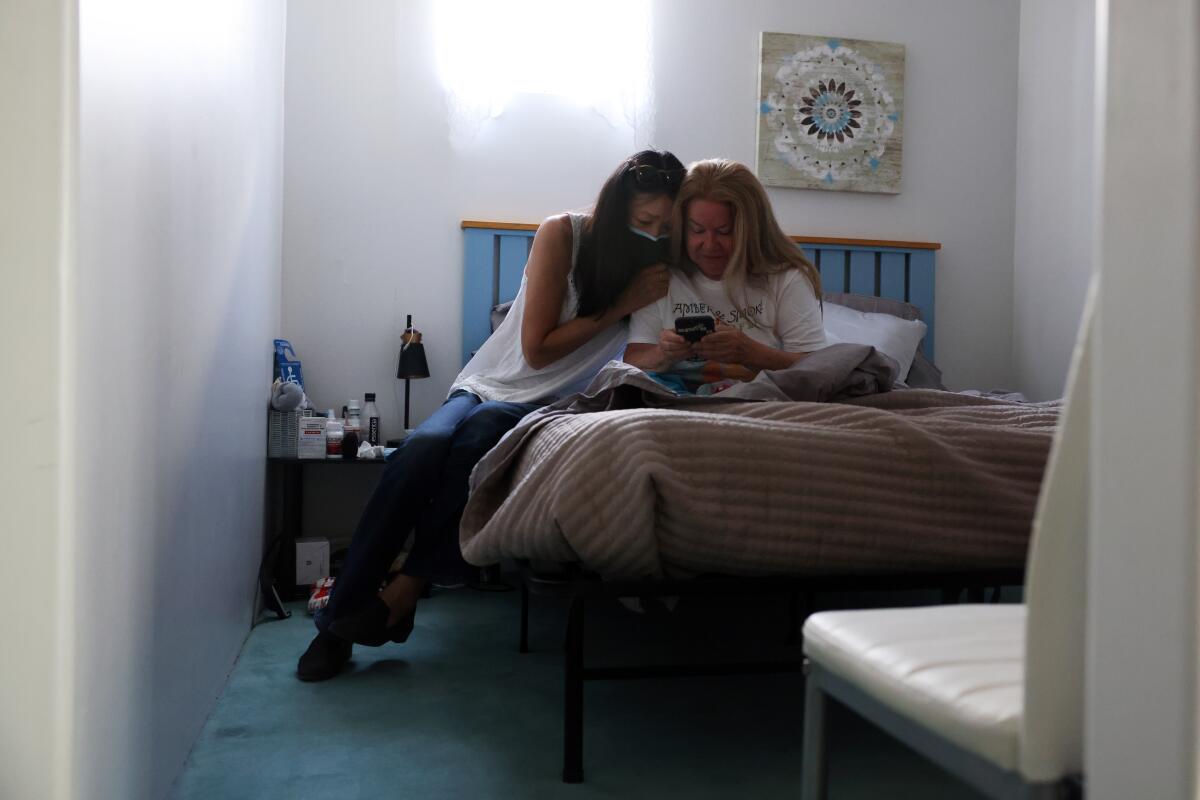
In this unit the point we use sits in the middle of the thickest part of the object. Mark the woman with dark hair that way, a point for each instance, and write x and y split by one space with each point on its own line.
586 274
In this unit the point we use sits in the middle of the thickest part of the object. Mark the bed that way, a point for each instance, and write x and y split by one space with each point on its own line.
965 523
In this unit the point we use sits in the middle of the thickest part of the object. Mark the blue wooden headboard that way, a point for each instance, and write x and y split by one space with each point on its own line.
877 268
494 255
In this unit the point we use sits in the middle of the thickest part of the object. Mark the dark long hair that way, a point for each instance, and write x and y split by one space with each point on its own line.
604 268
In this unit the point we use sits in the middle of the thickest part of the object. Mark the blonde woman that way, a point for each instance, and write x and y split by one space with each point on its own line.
734 265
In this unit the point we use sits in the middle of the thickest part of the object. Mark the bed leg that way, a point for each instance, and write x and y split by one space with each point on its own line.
814 777
573 705
996 594
523 644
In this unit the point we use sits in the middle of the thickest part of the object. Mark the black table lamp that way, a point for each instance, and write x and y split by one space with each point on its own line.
412 362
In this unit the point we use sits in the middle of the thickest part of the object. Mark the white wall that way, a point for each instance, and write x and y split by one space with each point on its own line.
37 53
1055 189
374 192
178 300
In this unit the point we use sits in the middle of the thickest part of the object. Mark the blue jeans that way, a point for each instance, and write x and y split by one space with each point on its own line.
423 491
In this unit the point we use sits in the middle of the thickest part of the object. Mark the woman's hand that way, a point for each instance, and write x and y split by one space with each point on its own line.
649 286
673 347
731 346
727 345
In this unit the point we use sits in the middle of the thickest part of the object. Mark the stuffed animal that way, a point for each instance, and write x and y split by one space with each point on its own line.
286 396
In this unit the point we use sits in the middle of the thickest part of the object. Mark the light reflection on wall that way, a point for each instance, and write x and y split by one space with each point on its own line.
592 54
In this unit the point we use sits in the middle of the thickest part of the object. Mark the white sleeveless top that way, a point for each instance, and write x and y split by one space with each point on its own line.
498 370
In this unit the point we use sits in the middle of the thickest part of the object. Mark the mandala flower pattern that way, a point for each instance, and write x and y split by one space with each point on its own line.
832 111
831 114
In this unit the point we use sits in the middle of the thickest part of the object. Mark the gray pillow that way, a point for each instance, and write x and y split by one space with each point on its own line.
499 313
873 305
924 374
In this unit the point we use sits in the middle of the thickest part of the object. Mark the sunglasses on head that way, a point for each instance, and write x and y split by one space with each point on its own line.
648 177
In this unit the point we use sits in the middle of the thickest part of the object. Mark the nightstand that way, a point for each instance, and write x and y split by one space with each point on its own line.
285 523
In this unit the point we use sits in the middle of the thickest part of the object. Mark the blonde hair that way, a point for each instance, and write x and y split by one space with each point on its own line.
760 247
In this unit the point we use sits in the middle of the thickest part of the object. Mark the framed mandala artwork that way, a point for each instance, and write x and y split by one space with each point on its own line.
830 113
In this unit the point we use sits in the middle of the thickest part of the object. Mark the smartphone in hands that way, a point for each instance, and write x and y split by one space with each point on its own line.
695 328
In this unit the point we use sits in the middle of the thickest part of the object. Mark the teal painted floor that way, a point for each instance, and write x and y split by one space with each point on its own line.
457 713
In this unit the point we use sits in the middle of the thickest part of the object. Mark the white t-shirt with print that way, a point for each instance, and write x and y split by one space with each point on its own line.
783 313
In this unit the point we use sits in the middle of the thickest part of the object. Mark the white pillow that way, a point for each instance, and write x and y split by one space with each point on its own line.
892 336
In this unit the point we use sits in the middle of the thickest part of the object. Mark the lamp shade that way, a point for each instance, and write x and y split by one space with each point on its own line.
412 354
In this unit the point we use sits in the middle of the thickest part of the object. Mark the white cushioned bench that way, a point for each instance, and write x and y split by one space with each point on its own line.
958 670
992 693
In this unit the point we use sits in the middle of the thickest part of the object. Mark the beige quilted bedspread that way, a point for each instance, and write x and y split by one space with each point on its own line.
904 481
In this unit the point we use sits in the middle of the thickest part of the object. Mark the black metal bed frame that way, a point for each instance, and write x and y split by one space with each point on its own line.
579 586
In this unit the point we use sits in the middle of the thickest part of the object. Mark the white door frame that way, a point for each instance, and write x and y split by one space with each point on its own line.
1140 738
38 152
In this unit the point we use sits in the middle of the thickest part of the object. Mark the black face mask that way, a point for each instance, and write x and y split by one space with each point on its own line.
644 251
